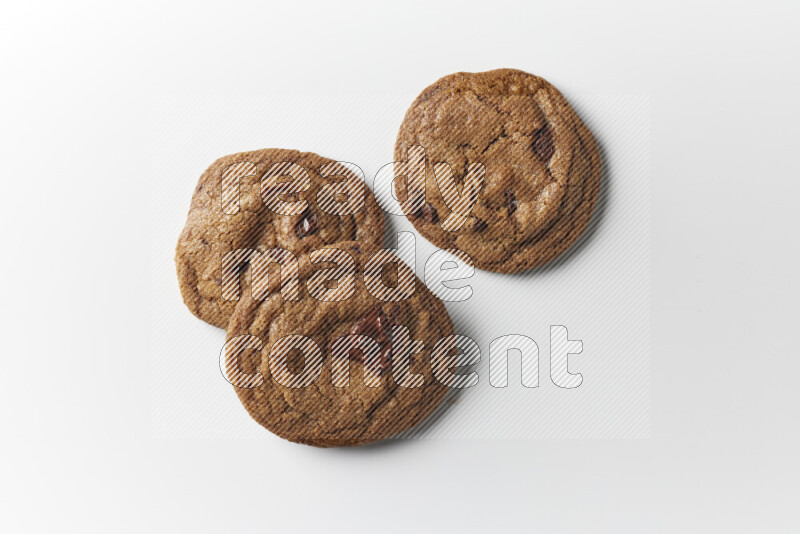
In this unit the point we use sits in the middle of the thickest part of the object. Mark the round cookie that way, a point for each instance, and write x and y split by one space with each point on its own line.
320 412
542 167
229 211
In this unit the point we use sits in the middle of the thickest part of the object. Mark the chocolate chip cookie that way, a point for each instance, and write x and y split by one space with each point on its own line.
334 364
511 175
266 199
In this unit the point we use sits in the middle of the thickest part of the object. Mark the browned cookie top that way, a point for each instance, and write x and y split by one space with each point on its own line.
320 413
245 217
542 166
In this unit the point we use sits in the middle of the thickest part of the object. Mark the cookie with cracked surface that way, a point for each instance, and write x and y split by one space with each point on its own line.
542 168
358 385
270 198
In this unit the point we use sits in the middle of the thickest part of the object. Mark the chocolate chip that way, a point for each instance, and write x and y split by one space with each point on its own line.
307 225
543 143
378 326
479 225
511 202
203 241
428 213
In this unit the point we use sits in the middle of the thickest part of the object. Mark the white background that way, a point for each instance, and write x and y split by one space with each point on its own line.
80 452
